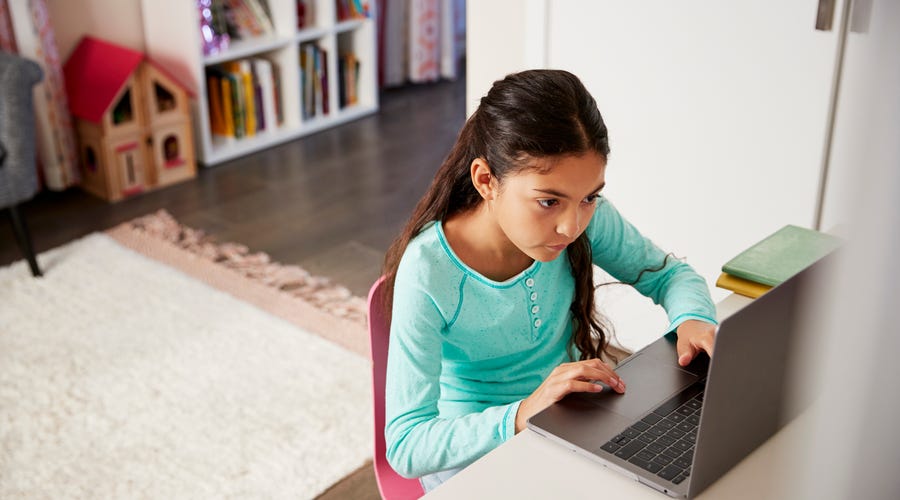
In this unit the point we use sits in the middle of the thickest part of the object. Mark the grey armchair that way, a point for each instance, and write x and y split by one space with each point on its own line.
18 174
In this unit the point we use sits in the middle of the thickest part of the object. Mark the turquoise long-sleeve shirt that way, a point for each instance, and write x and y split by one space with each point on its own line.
466 350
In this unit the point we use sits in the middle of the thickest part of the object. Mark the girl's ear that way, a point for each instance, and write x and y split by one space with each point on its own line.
483 179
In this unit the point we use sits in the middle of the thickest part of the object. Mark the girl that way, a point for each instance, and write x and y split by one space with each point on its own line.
493 315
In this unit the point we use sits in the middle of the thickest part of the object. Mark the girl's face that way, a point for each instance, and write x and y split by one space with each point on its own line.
542 211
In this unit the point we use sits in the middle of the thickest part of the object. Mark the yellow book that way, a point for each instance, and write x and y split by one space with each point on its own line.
217 122
249 97
227 107
741 286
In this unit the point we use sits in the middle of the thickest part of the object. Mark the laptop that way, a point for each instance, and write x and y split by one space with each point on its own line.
679 429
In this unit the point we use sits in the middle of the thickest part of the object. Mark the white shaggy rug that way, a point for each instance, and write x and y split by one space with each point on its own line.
121 377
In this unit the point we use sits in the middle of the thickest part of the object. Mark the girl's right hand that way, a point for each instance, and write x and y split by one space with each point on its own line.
566 378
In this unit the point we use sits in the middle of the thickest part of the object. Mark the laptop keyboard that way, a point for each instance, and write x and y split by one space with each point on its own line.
663 441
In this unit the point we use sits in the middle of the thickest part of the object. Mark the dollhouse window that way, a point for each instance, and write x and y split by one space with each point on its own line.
165 101
171 151
90 159
123 113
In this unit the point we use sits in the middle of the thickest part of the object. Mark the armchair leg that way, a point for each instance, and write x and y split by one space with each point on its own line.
24 239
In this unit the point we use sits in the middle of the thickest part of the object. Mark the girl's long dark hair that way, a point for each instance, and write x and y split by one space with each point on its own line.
524 117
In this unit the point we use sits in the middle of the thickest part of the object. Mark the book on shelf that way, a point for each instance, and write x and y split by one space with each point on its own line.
217 122
341 76
246 18
248 100
238 106
778 256
348 80
258 101
243 97
304 14
352 9
306 68
227 108
313 80
279 100
262 69
323 79
261 14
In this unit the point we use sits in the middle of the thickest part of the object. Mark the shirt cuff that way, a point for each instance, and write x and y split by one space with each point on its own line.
684 317
508 427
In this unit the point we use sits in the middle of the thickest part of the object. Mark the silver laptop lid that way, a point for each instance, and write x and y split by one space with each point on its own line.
746 388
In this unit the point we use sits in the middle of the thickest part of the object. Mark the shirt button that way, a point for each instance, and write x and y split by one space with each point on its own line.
529 282
535 309
537 323
533 296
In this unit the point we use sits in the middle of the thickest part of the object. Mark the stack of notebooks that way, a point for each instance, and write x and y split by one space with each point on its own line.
773 260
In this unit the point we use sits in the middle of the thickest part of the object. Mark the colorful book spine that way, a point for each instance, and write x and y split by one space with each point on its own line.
216 113
313 81
351 9
263 72
323 79
348 79
279 99
227 105
249 97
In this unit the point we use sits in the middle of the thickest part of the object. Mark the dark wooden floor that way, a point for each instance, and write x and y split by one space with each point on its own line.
331 202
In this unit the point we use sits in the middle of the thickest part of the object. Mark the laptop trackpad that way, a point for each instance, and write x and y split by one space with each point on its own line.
649 383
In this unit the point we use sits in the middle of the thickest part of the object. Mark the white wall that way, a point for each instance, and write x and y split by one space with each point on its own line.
118 21
502 37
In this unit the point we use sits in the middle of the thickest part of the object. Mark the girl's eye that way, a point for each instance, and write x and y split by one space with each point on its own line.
592 198
547 203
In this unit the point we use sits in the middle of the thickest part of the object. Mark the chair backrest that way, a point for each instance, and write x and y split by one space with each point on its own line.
18 173
392 486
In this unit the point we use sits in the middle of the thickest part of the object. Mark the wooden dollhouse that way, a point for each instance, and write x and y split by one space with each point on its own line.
132 120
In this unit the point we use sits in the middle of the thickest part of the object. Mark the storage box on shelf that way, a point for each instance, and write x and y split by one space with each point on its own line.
173 38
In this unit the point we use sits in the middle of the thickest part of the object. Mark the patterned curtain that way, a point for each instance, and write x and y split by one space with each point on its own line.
7 37
25 24
424 37
420 40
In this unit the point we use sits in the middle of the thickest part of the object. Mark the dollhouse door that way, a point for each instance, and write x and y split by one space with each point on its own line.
130 167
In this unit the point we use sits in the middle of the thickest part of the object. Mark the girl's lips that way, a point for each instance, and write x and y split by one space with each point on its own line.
557 248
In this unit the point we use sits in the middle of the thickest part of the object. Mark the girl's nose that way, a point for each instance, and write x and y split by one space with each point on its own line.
568 225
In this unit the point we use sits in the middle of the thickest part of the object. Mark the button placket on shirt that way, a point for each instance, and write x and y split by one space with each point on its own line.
535 308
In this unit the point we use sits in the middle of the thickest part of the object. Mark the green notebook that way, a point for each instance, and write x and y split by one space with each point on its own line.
781 255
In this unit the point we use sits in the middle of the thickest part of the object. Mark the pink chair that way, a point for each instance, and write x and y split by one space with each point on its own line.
392 486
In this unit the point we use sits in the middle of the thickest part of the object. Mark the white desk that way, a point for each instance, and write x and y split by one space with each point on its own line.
531 466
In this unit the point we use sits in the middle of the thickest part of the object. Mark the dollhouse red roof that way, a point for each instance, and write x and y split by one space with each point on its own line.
95 73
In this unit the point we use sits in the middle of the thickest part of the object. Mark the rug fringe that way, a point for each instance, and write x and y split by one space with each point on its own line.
257 266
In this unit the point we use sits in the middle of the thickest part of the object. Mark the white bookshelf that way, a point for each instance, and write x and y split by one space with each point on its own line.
172 37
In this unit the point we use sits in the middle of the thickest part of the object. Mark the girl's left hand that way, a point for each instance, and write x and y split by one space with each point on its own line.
694 336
